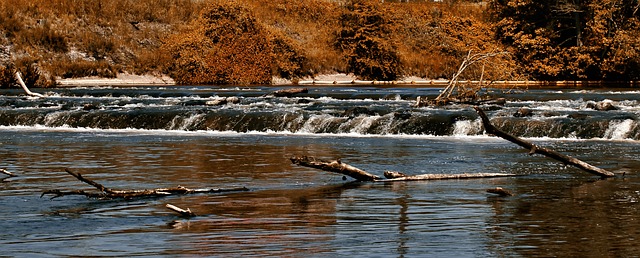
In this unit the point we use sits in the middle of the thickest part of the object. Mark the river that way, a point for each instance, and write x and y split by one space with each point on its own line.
155 137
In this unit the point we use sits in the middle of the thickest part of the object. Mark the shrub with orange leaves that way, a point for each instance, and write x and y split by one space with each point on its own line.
225 45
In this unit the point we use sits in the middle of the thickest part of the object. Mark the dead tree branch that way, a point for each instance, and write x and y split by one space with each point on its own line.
108 193
24 87
466 63
490 129
339 167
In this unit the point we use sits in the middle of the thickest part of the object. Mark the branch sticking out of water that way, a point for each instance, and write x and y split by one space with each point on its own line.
4 171
24 87
181 211
108 193
490 129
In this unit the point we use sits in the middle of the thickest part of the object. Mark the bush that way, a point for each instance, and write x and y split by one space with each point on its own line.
364 38
45 37
84 68
226 45
289 61
7 76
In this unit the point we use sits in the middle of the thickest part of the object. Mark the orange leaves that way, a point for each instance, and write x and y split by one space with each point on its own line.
226 45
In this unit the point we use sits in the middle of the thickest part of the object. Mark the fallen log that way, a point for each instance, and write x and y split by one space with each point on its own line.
335 166
490 129
443 176
108 193
339 167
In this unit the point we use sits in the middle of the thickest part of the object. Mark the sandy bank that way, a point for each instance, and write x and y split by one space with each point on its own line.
122 79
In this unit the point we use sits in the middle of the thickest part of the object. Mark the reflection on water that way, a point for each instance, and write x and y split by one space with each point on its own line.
295 211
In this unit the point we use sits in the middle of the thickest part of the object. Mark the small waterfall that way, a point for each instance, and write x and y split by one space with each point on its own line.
619 130
185 123
467 127
321 124
360 124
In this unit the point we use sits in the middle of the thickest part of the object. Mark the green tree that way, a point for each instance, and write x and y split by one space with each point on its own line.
364 38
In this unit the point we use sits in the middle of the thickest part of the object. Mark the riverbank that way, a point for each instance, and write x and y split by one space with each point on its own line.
125 79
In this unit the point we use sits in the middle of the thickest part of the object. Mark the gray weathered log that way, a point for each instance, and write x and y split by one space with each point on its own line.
447 176
339 167
490 129
335 166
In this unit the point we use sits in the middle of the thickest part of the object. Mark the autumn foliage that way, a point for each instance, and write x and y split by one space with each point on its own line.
365 39
225 45
250 42
562 40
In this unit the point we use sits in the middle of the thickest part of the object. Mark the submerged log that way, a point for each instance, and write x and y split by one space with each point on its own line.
289 92
500 191
490 129
223 101
108 193
339 167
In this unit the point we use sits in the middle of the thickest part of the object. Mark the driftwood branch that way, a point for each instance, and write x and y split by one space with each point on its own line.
4 171
490 129
181 211
108 193
24 87
339 167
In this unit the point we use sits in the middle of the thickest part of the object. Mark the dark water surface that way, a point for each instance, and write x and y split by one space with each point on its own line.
141 138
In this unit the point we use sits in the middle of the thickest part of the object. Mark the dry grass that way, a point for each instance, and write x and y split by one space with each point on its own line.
76 38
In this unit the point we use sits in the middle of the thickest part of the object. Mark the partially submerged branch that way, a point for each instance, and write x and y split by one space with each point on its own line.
4 171
108 193
181 211
339 167
500 191
490 129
